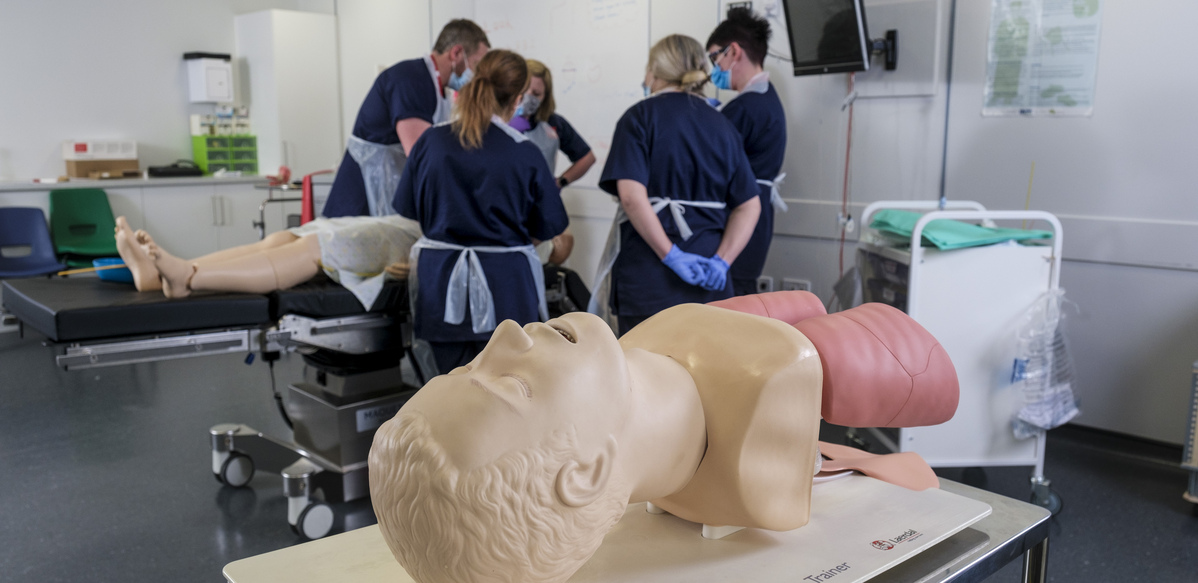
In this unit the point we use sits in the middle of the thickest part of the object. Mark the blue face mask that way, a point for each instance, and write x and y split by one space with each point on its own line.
720 78
456 82
646 88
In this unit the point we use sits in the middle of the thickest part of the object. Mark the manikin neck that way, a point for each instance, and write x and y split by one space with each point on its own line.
666 436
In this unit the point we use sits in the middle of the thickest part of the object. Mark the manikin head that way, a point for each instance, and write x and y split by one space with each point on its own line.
482 465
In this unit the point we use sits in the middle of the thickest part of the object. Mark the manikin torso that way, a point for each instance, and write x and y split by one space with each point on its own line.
759 381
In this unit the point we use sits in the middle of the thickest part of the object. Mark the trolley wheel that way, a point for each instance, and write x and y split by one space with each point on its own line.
315 521
1052 501
237 471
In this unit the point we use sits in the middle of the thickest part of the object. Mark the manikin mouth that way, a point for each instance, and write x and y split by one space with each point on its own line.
565 334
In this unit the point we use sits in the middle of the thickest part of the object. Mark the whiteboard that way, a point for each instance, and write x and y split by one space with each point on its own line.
596 50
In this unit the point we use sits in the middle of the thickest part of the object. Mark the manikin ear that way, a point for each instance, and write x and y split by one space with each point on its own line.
580 483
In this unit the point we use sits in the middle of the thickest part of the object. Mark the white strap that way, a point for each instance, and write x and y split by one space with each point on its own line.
775 196
678 209
468 283
598 304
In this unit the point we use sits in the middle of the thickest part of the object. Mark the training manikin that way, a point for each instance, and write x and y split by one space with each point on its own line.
514 467
357 252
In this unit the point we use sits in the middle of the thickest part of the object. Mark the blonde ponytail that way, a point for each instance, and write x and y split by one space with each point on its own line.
499 78
475 104
680 61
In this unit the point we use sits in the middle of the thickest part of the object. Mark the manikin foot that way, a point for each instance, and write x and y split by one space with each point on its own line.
175 273
139 262
143 238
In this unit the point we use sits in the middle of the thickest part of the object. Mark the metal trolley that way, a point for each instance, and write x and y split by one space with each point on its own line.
971 300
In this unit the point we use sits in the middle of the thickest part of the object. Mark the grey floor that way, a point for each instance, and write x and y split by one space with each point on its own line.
107 478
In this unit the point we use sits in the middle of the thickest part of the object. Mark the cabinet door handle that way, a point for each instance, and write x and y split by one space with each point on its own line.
215 211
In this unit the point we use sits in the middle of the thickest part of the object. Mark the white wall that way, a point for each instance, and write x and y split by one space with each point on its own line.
375 34
79 69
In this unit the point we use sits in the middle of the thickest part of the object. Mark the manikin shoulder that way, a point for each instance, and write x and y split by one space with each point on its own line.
760 382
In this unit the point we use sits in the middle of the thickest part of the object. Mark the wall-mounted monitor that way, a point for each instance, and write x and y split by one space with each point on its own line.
827 36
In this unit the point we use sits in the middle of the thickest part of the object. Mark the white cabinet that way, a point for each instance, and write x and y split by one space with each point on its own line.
182 219
189 218
289 64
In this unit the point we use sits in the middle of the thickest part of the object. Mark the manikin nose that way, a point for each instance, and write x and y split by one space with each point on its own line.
510 336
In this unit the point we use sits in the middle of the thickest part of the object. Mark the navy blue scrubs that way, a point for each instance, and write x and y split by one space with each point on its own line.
572 144
501 194
679 147
762 125
405 90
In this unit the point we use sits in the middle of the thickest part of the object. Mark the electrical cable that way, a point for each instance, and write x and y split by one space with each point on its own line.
844 198
278 396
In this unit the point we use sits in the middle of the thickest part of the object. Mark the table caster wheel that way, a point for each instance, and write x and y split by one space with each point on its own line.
315 521
1052 501
237 471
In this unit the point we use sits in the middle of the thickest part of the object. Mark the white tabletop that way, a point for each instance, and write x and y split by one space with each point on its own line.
848 517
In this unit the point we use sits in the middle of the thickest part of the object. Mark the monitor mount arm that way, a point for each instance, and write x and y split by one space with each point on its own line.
888 47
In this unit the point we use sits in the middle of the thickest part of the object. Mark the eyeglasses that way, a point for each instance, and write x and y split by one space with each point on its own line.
714 56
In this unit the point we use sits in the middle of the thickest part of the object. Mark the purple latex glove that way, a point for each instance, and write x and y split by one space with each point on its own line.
690 267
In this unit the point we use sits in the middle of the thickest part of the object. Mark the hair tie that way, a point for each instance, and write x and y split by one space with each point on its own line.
693 77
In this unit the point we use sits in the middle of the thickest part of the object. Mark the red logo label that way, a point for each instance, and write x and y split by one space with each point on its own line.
81 147
882 545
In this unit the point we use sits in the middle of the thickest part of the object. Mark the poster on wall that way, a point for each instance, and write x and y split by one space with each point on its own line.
1043 57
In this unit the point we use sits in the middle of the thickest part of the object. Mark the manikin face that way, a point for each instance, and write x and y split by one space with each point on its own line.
527 383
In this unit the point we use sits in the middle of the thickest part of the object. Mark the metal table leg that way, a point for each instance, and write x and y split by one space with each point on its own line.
1035 563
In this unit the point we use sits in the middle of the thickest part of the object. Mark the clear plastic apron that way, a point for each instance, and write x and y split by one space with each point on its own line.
546 138
468 283
598 304
382 164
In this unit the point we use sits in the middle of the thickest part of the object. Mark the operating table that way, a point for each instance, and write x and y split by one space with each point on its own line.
351 383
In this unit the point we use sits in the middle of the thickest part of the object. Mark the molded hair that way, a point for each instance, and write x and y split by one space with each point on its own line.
500 77
461 32
548 105
500 522
680 61
746 29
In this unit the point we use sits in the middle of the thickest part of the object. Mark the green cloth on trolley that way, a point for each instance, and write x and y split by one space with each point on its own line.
948 234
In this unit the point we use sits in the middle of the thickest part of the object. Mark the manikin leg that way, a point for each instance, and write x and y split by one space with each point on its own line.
134 250
276 239
256 272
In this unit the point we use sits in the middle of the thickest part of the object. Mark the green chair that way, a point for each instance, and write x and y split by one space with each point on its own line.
82 225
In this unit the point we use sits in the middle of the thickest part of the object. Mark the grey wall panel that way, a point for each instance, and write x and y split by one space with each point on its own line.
1133 337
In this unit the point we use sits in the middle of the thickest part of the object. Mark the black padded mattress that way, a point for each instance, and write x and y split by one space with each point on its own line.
68 310
322 297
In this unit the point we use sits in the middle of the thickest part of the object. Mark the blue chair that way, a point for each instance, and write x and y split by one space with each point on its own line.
25 246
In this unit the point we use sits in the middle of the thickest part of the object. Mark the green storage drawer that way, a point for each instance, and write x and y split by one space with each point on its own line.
215 153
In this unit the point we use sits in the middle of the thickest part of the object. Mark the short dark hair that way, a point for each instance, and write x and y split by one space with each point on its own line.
461 32
750 31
